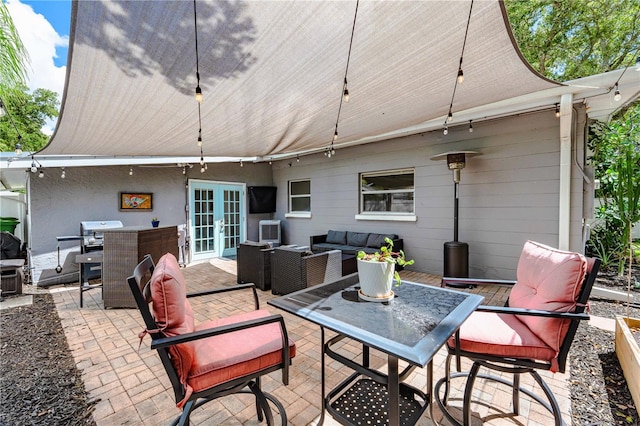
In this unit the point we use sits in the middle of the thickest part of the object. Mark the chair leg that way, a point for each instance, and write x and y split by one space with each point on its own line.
468 389
515 397
258 406
555 408
183 420
262 404
447 382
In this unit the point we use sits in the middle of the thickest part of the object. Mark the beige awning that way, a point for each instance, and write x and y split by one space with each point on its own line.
272 73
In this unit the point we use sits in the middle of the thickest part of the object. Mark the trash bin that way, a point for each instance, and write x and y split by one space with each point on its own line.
8 224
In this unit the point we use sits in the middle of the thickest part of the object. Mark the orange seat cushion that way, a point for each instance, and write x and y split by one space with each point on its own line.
501 335
231 355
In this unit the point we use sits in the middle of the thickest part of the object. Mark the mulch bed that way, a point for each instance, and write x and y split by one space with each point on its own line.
40 384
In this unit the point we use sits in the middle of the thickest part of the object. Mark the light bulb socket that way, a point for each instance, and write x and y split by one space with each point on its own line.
335 135
557 110
345 94
450 117
470 127
199 141
460 76
198 94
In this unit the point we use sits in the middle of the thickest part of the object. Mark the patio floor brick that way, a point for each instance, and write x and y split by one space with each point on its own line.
133 388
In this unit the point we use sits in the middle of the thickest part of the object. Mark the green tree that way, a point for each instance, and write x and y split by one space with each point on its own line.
568 39
14 57
29 112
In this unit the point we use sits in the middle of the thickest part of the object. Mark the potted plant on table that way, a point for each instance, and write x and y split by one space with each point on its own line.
377 271
155 222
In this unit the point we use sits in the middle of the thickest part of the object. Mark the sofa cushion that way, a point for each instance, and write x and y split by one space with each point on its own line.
357 239
377 240
336 237
550 280
342 247
172 311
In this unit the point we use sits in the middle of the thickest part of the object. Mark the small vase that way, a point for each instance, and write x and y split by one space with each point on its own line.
155 223
376 279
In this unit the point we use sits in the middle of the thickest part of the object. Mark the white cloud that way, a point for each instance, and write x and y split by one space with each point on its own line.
41 40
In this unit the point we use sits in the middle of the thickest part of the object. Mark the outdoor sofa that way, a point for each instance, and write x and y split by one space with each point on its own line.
351 242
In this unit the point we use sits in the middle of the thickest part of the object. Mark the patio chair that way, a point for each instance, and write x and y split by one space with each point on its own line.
533 331
215 358
254 264
293 269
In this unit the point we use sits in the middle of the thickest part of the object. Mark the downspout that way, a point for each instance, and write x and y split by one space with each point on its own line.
564 210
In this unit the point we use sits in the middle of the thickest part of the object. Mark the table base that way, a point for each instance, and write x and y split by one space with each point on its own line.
366 402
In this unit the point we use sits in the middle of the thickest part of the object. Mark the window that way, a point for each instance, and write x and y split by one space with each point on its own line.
387 193
299 198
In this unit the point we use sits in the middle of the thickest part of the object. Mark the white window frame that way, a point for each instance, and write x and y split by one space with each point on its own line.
392 216
293 213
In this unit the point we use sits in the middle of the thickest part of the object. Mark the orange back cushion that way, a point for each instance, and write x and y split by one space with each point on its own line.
172 310
548 279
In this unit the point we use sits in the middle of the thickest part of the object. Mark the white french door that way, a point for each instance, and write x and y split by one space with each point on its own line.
216 215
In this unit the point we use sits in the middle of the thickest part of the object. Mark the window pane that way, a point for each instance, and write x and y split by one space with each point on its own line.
301 204
301 188
389 202
387 182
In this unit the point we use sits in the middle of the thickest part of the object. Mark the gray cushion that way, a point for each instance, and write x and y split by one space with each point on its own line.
377 240
358 239
336 237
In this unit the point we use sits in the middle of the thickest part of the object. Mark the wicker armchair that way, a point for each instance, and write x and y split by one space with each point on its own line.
294 269
254 264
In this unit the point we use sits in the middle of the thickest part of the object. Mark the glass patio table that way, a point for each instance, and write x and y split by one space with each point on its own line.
411 327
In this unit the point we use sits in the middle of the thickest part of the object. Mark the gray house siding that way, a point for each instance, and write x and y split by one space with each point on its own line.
91 193
508 194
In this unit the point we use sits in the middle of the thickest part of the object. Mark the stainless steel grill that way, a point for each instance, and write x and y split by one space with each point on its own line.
92 232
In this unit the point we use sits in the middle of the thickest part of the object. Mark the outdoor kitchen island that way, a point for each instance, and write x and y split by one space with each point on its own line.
124 248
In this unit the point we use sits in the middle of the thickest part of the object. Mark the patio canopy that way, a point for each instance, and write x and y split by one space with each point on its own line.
272 73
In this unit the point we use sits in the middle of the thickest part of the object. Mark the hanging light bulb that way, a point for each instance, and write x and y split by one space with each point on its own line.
270 161
450 116
345 93
33 167
63 174
446 130
198 94
470 127
184 170
297 158
18 149
130 171
41 174
200 141
460 76
202 169
335 135
617 96
241 163
557 110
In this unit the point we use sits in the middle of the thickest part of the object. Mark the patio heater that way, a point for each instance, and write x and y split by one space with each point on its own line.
456 253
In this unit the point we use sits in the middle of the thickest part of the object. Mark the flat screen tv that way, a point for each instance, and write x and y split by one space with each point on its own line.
262 199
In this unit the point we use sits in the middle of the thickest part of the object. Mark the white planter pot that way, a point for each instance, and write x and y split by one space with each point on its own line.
376 279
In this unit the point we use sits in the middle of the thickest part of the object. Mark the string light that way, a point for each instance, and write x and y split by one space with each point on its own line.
616 95
297 158
557 110
459 75
41 174
195 27
18 148
130 171
241 163
33 167
345 93
470 127
344 96
198 90
63 174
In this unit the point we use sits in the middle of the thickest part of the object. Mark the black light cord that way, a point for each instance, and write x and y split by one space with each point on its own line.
346 71
455 86
195 26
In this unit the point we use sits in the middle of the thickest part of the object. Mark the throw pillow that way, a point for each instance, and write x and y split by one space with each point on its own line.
336 237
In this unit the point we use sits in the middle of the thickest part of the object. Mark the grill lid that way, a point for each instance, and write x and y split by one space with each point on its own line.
89 227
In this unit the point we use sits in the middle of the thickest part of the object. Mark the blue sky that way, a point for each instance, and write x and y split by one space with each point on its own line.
43 26
58 13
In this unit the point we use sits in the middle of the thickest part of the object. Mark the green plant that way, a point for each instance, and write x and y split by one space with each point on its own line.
154 219
386 254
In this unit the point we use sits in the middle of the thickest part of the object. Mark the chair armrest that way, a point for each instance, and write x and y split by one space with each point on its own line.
533 312
471 282
164 342
252 286
316 239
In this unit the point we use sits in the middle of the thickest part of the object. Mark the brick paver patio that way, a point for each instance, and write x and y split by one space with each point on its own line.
132 387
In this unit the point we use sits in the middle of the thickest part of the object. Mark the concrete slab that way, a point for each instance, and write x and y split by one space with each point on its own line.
14 302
